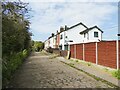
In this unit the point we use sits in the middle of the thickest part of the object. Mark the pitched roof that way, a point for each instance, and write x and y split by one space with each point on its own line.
88 29
77 25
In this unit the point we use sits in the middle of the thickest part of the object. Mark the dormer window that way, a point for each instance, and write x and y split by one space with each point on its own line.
95 34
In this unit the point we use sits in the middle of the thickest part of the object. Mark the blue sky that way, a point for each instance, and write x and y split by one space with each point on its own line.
49 16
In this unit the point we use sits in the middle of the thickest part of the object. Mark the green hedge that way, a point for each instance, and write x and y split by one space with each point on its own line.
11 63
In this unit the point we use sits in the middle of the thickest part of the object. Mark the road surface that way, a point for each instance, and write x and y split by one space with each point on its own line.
40 71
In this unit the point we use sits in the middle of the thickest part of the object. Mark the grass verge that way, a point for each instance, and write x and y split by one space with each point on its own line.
116 74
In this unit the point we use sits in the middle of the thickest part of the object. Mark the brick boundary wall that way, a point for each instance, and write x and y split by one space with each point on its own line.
63 53
79 51
107 54
56 51
102 53
90 52
72 51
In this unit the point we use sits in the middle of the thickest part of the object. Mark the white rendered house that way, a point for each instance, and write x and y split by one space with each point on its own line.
75 34
46 44
79 33
93 34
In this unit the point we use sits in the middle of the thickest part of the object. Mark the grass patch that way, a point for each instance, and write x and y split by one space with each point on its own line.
116 74
89 64
77 60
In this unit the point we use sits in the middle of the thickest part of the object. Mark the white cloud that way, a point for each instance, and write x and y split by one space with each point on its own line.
48 17
70 0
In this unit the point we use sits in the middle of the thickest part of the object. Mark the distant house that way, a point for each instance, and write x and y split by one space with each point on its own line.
46 44
57 39
62 38
78 33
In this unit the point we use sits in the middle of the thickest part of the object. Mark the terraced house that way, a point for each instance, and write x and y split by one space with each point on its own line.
75 34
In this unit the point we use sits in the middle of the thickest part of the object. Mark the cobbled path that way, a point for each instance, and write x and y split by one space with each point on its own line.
39 71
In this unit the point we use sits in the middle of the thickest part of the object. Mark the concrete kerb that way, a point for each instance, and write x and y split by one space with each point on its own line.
92 71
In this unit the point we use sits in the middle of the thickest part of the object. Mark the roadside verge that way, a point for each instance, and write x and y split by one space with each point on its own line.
92 71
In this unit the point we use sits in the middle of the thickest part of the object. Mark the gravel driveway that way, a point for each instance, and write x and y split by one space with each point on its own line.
39 71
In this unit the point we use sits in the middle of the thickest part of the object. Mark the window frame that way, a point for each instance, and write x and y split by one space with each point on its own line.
96 34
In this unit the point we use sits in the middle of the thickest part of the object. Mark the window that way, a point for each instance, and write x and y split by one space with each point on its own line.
95 34
66 47
61 36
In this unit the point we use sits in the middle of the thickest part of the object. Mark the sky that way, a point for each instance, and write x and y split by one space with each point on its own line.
49 16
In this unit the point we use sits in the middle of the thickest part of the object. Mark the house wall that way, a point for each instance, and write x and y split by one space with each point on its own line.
46 44
73 34
58 40
54 41
51 42
62 41
91 35
105 51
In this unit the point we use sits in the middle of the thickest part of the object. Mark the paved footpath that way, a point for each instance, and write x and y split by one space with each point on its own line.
40 71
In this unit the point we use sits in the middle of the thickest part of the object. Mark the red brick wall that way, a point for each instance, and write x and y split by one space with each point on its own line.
72 51
79 51
107 53
90 52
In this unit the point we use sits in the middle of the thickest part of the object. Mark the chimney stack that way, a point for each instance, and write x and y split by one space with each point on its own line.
61 29
52 34
65 27
57 31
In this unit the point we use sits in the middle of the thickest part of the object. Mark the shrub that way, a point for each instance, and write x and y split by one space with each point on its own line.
25 53
11 63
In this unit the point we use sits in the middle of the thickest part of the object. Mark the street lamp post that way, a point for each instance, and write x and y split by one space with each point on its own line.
118 51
